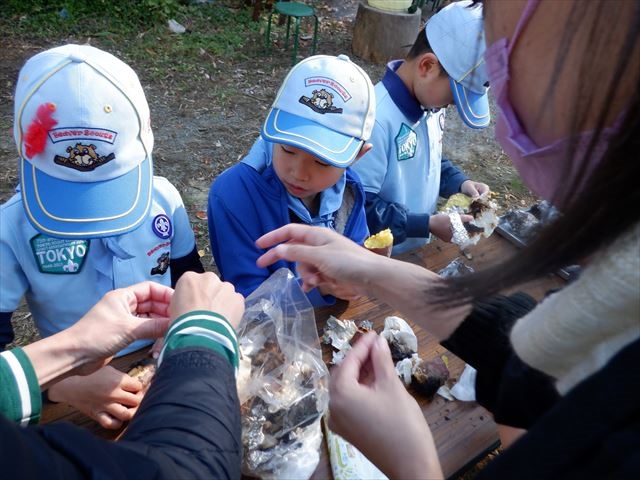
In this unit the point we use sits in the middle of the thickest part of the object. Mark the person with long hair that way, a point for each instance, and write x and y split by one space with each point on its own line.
565 76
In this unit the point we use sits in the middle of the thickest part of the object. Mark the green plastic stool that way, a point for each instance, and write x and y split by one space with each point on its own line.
421 4
295 10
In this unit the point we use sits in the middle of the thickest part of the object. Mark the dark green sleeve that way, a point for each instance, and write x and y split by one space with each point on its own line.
20 399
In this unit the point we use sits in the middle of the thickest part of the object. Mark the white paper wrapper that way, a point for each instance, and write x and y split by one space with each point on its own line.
465 389
347 462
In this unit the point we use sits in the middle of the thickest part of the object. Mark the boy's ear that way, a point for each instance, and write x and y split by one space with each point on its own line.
428 63
364 149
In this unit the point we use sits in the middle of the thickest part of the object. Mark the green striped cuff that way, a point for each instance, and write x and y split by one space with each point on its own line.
20 398
202 329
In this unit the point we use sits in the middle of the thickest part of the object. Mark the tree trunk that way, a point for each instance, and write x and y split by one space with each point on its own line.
380 36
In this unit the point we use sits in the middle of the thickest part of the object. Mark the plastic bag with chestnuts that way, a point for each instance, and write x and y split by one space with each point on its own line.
282 382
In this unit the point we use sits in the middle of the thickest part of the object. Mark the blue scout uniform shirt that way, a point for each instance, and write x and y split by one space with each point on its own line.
403 175
61 279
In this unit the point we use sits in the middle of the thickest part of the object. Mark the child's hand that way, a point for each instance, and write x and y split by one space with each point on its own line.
440 225
473 189
108 396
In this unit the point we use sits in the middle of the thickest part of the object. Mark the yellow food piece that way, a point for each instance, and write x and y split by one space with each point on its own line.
459 200
381 239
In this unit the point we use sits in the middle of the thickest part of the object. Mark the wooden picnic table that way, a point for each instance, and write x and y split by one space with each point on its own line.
464 432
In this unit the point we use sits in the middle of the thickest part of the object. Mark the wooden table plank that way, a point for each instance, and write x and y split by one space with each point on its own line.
463 431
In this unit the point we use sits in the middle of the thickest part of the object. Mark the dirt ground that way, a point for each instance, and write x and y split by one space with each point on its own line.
197 135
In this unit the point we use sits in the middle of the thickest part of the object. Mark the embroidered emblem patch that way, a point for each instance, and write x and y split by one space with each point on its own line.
161 226
83 157
163 264
321 101
406 143
59 255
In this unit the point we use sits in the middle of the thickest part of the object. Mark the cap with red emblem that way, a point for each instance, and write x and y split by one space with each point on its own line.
82 128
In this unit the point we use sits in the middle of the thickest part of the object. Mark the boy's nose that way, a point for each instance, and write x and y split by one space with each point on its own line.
300 172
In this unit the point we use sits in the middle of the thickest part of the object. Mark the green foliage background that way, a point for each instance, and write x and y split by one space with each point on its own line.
137 31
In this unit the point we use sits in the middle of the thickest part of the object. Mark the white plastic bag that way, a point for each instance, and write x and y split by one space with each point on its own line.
282 382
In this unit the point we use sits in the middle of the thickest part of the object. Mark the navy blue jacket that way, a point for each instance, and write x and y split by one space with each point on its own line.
592 432
187 426
245 203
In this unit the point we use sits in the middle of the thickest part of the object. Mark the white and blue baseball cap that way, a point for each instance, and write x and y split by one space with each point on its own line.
456 36
83 133
325 106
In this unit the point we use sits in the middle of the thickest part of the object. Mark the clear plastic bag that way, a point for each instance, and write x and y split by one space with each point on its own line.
282 382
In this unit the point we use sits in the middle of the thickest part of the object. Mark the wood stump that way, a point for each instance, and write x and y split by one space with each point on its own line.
380 36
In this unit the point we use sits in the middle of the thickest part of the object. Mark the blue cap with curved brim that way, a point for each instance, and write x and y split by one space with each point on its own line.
473 107
86 209
325 106
82 127
456 36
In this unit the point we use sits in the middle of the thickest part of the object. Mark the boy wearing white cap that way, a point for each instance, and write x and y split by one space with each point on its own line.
298 170
89 216
405 174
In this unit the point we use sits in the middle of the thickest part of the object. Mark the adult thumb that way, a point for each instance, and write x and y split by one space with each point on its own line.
381 360
151 327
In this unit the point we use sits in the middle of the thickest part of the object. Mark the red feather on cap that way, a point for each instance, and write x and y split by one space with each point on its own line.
36 136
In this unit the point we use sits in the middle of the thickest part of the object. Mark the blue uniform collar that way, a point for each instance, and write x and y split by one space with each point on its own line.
330 202
400 94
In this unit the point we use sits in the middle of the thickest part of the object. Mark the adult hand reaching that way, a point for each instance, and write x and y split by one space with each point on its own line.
371 408
118 319
324 257
205 291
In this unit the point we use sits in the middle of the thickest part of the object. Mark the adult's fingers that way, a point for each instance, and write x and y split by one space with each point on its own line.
150 298
293 232
151 327
292 252
381 360
205 291
229 303
355 359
